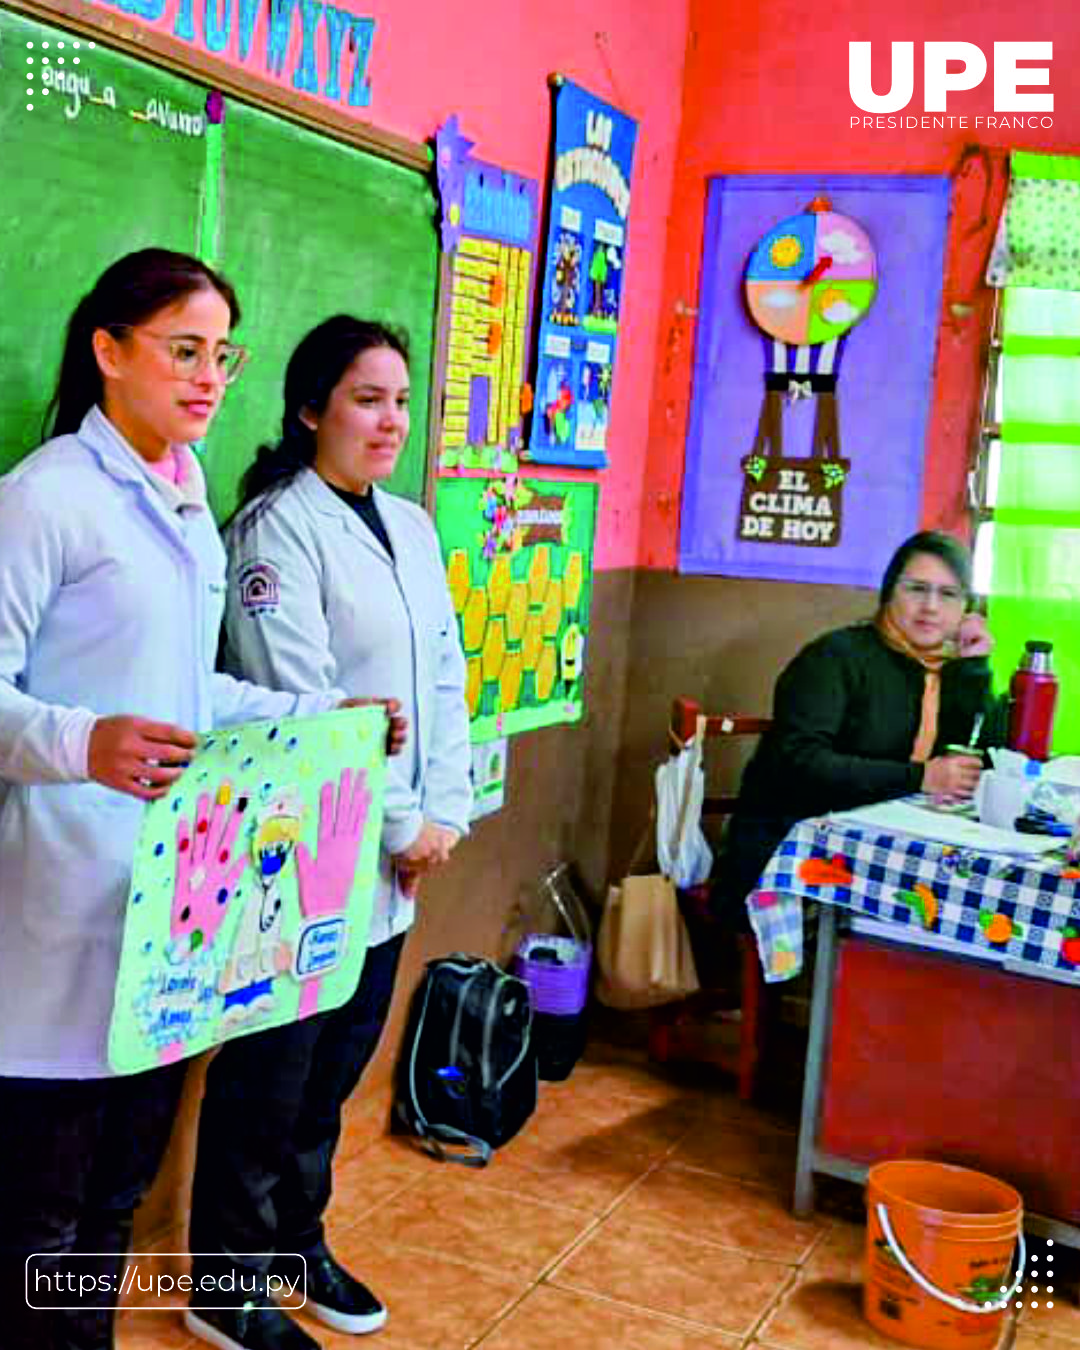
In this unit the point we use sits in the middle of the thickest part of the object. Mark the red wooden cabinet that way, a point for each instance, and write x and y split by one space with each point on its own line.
936 1057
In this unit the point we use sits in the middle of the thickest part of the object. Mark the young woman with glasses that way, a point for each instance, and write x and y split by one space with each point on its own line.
112 587
864 713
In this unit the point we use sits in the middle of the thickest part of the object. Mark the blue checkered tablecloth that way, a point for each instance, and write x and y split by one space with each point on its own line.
1013 906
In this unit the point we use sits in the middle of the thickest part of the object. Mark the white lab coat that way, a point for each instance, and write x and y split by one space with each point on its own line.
110 603
315 602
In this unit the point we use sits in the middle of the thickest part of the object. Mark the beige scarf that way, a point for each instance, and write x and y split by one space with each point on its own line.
932 663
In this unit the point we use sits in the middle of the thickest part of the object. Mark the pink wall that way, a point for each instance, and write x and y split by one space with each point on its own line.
488 61
766 90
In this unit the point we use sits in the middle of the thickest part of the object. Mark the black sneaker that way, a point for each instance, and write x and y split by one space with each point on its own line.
336 1298
257 1326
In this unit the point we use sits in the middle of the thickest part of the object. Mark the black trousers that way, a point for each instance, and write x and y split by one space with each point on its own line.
76 1157
270 1124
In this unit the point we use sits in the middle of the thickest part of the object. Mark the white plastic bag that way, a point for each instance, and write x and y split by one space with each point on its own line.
682 850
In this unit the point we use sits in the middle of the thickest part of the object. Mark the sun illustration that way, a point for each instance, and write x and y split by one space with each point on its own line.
786 251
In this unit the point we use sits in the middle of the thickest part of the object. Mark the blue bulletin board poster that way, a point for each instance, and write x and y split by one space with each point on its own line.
583 286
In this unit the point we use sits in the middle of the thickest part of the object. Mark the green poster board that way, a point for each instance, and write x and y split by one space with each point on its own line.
116 157
253 886
518 556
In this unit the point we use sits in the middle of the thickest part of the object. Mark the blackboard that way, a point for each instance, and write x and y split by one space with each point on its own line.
308 227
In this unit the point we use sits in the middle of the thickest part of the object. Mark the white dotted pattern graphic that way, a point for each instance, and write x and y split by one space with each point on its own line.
1035 1287
60 60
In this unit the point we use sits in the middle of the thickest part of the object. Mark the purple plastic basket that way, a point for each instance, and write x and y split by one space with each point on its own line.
561 989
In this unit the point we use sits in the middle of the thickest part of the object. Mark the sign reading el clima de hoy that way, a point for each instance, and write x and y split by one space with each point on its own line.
581 301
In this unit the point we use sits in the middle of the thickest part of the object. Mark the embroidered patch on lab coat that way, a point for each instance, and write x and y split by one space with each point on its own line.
260 588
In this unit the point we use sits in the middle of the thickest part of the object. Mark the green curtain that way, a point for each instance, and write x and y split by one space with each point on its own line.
1035 567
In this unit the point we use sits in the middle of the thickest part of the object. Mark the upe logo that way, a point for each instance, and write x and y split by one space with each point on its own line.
939 81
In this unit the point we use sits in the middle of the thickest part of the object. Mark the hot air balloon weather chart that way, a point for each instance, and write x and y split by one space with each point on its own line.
814 336
809 281
253 884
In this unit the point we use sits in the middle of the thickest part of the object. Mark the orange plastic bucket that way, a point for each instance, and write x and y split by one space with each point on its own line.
940 1248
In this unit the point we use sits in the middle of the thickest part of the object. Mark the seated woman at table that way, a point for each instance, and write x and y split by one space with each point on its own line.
863 713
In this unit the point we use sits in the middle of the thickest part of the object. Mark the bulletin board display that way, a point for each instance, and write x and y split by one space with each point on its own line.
813 373
302 225
490 228
252 887
518 555
583 283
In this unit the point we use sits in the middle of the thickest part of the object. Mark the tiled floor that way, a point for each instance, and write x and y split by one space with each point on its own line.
637 1212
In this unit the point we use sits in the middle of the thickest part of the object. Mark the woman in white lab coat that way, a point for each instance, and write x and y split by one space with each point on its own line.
334 583
112 585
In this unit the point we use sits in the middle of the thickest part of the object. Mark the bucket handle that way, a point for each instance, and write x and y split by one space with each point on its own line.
924 1283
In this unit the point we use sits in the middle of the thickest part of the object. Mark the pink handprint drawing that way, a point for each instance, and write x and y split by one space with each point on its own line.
207 871
326 880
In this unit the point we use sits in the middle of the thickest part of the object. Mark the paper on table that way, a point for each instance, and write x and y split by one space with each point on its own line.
908 817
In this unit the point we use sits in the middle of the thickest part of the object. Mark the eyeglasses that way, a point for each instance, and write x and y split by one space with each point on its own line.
190 357
924 590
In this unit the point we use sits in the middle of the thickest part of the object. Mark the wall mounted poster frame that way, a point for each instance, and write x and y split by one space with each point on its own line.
490 235
850 487
518 558
584 282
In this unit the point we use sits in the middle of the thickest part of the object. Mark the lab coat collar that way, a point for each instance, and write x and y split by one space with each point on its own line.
326 501
121 461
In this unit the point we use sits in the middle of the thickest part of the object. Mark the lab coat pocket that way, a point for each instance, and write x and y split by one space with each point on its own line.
74 859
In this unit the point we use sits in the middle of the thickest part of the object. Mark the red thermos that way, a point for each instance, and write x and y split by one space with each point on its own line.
1033 693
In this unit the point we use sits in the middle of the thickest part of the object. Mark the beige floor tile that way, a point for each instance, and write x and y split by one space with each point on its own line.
448 1215
1061 1321
434 1303
666 1273
552 1317
153 1331
370 1177
731 1148
1029 1338
584 1175
629 1125
717 1209
840 1255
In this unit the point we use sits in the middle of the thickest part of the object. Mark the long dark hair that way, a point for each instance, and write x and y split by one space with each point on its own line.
944 547
129 292
315 368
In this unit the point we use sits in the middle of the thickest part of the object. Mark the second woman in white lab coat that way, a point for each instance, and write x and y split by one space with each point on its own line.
334 583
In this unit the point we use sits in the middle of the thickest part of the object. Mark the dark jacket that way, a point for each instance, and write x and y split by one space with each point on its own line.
845 715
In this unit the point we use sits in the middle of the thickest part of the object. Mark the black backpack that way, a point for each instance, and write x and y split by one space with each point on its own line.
467 1077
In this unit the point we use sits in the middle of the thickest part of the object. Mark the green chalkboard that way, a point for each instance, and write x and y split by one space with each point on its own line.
83 183
307 227
311 228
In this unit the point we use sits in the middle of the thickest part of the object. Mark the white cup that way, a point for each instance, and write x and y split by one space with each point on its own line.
1000 798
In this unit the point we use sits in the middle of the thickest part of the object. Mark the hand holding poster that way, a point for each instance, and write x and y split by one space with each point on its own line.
252 887
582 292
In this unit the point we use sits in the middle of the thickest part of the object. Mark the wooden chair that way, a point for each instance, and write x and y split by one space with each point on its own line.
678 1031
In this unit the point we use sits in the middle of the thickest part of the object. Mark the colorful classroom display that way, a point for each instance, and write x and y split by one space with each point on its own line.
489 769
808 282
805 278
518 558
253 886
490 233
583 281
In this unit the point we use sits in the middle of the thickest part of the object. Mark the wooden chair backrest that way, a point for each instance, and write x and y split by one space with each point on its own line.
684 716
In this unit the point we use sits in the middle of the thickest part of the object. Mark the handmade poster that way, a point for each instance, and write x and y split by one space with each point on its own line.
812 380
489 777
583 282
490 235
518 558
252 888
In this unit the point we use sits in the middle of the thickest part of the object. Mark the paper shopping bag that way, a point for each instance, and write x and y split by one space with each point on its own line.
643 949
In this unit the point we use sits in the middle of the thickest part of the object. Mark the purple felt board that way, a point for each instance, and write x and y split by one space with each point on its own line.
883 393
